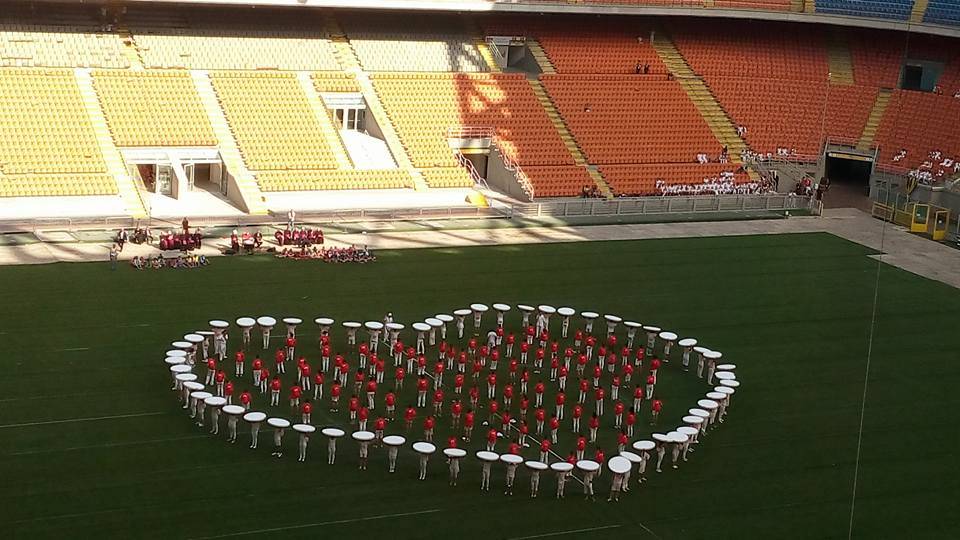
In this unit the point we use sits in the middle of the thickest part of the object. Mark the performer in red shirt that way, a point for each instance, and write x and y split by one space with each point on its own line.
279 359
590 343
335 396
398 375
291 346
637 397
257 368
275 392
491 385
538 365
524 350
596 376
631 420
245 400
220 378
577 413
428 424
239 360
456 409
306 411
409 416
654 366
318 385
295 393
468 425
554 428
422 391
593 424
524 379
618 414
325 357
362 415
211 371
390 403
379 425
540 416
538 390
615 387
627 373
363 350
437 402
577 338
581 364
491 439
655 409
545 450
524 430
561 399
494 409
584 386
371 393
474 396
511 339
554 365
651 382
507 396
353 405
524 405
512 367
228 392
598 396
437 375
581 446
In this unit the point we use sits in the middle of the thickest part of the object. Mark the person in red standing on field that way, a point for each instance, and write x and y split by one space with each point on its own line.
358 379
245 400
239 360
468 420
306 411
381 367
428 425
353 405
211 371
458 381
421 365
438 402
291 346
510 339
390 404
627 374
655 409
275 387
541 417
615 388
601 355
596 376
561 400
296 392
581 364
399 375
398 353
411 354
279 358
654 367
362 416
593 424
507 396
409 416
363 351
544 339
554 368
598 395
491 439
505 422
523 432
538 360
554 428
538 390
318 385
524 405
494 359
524 380
611 360
583 385
512 367
524 351
325 357
577 414
531 333
630 421
581 446
577 338
637 397
483 354
442 355
625 354
472 347
220 379
651 383
257 371
379 425
456 411
438 368
371 393
335 391
612 342
228 392
461 360
590 343
600 458
545 446
618 409
264 380
422 391
492 385
474 396
494 408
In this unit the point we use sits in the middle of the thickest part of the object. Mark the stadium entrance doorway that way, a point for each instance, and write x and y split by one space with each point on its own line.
849 176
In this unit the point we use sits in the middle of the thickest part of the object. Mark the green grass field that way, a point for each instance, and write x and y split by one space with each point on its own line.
792 311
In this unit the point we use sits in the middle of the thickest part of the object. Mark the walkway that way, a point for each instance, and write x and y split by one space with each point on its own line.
901 248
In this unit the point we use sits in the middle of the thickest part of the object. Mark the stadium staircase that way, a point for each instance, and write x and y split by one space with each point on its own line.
349 62
797 6
329 132
702 97
130 50
810 6
247 185
558 123
919 11
540 56
126 186
839 60
480 42
873 121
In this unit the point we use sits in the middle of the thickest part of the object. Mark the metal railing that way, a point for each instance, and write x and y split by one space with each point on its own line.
471 170
665 205
485 132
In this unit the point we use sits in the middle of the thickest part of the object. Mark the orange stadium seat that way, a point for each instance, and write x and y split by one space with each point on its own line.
642 179
918 122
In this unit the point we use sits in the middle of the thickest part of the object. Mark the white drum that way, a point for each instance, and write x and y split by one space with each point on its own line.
731 383
454 453
233 410
175 360
561 467
420 327
693 419
660 437
293 321
332 432
726 367
502 308
180 368
192 386
613 319
716 396
363 436
547 310
618 465
536 465
631 457
708 404
246 322
280 423
511 459
687 342
176 352
193 338
186 377
422 447
644 446
566 312
725 375
304 428
668 336
255 417
688 431
215 401
185 345
267 322
480 308
588 465
443 317
374 326
394 440
462 312
489 457
219 324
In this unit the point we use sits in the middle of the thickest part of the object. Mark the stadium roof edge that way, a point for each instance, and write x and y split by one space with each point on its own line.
540 6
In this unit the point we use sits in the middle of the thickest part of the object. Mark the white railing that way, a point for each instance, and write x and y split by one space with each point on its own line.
525 184
471 170
495 51
485 132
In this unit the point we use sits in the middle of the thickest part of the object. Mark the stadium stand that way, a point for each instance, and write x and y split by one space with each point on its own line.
920 123
274 125
447 177
49 146
335 82
408 43
333 179
33 45
878 9
599 46
877 57
643 179
631 119
750 49
942 12
789 114
153 108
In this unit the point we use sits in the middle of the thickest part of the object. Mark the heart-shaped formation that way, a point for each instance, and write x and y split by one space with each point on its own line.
483 376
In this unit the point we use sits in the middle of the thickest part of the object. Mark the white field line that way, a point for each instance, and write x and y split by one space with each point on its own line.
567 532
73 420
318 524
